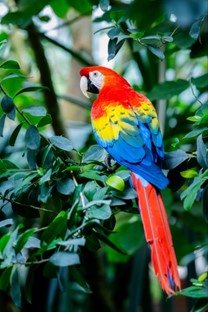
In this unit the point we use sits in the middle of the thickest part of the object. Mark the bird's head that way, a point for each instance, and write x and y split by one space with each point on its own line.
94 78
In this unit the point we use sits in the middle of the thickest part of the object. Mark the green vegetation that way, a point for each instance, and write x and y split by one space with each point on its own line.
71 237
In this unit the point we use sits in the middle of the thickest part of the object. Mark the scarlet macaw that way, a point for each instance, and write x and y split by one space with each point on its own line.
125 123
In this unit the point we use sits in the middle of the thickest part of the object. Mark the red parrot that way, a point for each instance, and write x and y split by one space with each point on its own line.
125 123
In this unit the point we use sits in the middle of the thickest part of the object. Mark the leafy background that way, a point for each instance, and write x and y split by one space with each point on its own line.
71 238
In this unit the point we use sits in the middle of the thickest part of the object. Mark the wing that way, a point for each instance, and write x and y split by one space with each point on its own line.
131 135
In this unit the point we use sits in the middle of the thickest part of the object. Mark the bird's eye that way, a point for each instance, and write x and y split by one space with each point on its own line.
95 74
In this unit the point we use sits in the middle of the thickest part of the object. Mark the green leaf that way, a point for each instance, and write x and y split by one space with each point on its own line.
77 276
203 110
66 186
197 131
123 173
64 258
8 107
57 227
6 164
194 292
32 138
174 159
153 39
6 246
13 75
14 135
189 173
156 51
7 222
114 47
5 278
194 118
61 142
32 242
60 7
93 175
126 194
104 4
23 239
195 29
17 18
3 43
202 156
35 111
203 277
11 115
167 38
7 104
15 289
189 195
100 193
10 64
31 89
46 120
2 122
46 177
82 6
102 212
137 35
201 81
95 152
114 32
90 189
4 241
116 182
45 190
168 89
31 158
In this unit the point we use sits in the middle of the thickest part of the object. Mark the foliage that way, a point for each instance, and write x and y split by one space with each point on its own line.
58 204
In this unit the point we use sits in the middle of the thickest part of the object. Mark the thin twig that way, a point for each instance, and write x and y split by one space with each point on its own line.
67 23
192 90
75 100
26 205
81 193
75 54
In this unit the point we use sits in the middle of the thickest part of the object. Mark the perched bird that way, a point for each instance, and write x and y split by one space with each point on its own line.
125 123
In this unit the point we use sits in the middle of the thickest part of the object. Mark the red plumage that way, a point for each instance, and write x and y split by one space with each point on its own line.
158 235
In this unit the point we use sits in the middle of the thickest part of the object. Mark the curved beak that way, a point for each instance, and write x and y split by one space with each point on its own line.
86 85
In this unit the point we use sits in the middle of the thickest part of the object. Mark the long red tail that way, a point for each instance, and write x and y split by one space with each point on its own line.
158 235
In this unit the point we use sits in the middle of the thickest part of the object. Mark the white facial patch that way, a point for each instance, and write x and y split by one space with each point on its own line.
97 79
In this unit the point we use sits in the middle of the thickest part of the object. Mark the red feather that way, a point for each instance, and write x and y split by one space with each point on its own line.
158 235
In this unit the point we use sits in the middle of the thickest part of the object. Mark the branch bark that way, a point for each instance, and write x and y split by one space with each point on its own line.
45 76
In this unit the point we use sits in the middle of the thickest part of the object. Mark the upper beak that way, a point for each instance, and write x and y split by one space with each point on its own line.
86 85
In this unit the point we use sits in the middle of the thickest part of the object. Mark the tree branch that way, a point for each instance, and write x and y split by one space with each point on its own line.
73 53
45 76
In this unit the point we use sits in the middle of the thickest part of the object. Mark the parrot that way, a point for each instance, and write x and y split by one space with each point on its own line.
125 124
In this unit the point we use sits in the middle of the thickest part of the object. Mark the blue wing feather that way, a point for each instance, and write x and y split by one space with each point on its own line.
137 147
